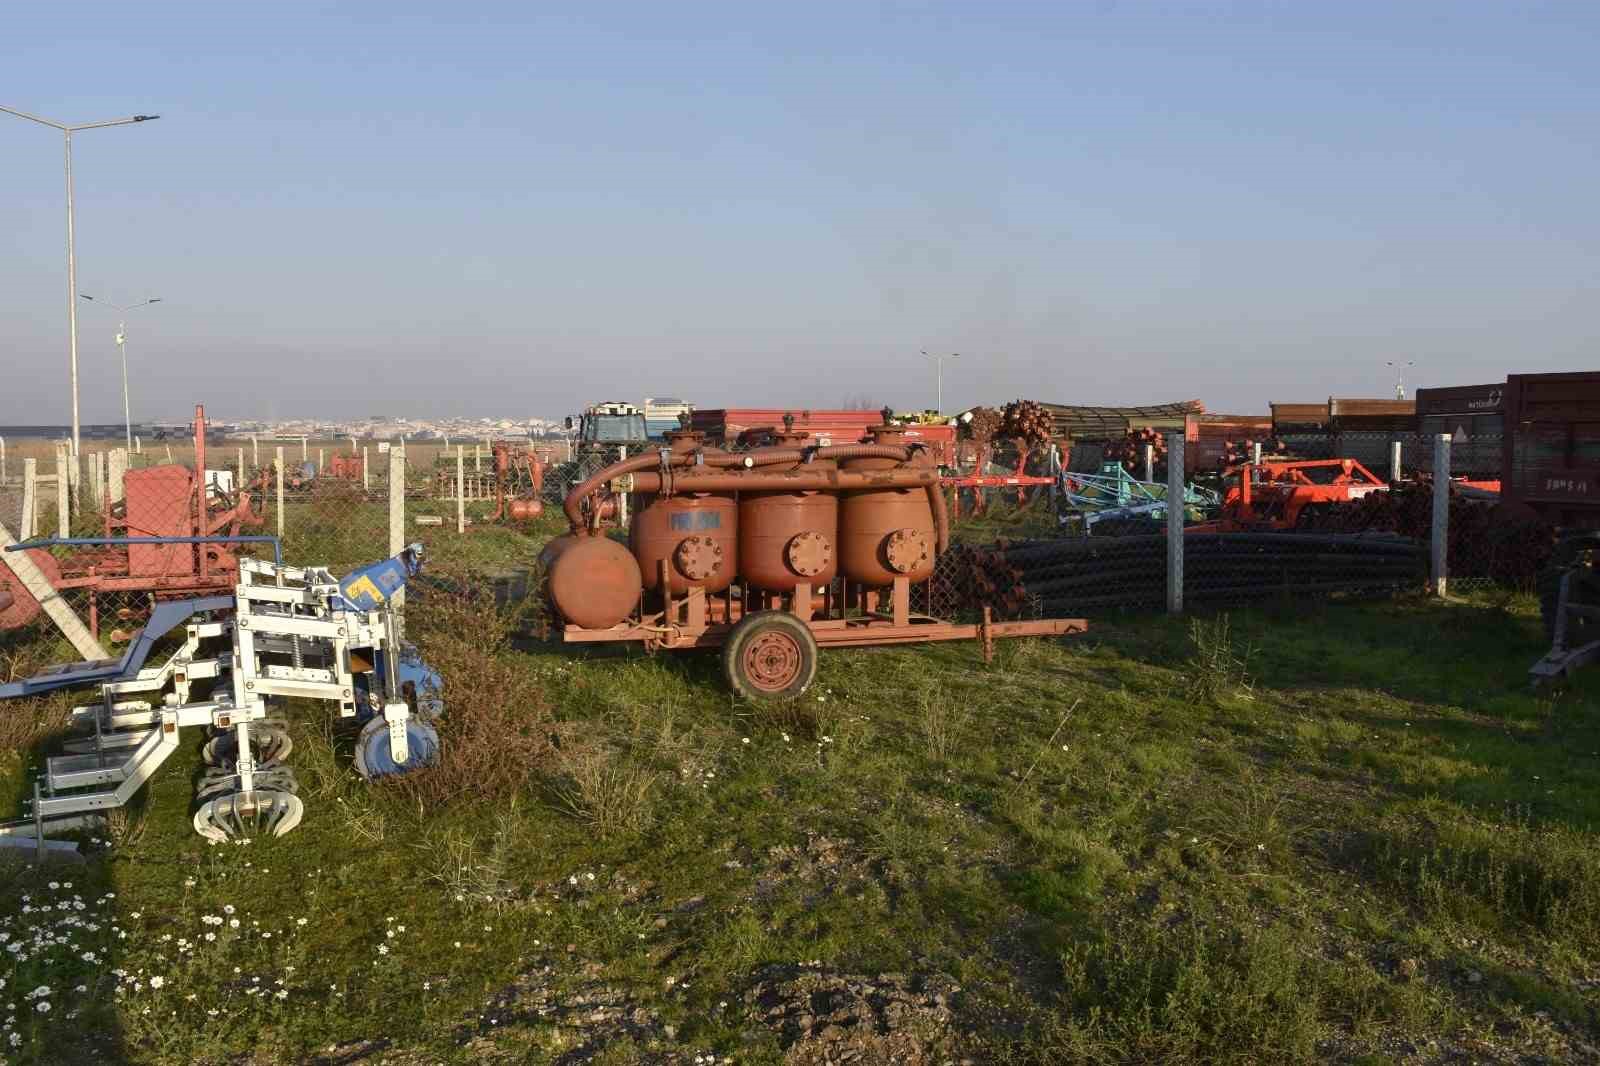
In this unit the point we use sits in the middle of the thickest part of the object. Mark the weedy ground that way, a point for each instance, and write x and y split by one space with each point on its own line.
1320 832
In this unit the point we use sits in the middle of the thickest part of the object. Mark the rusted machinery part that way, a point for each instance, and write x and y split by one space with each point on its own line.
802 480
18 606
573 505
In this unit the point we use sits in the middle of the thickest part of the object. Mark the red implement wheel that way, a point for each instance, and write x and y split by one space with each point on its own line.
770 655
23 608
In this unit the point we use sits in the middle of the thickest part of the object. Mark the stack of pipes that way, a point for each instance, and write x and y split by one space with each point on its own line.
1071 576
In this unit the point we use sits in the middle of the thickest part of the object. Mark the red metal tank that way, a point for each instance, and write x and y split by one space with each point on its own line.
593 581
696 533
789 538
886 533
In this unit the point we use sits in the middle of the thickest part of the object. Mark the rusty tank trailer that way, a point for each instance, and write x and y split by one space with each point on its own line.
768 555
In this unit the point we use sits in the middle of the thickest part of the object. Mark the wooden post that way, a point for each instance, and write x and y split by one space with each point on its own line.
1441 512
50 600
1175 523
461 489
397 511
30 497
279 465
63 491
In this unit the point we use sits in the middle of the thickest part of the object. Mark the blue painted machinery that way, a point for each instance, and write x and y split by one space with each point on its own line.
286 632
1115 494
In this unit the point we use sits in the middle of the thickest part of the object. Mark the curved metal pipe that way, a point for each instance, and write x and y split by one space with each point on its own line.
941 518
572 505
801 480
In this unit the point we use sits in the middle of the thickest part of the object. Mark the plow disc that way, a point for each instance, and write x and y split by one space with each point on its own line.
373 758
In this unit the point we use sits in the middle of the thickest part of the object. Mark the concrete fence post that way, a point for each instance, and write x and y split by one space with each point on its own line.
255 452
138 445
63 491
1175 523
1441 512
3 474
397 511
366 472
92 497
240 486
30 498
1149 463
461 489
303 456
622 497
1394 461
320 471
279 466
477 458
1255 452
116 478
75 478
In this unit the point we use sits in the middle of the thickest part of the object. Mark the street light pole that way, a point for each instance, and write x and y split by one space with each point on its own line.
72 261
122 349
938 377
1400 376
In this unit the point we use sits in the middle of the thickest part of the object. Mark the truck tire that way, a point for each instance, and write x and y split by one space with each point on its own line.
770 655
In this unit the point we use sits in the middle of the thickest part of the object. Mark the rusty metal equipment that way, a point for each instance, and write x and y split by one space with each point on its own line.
518 483
1550 470
169 501
768 555
345 467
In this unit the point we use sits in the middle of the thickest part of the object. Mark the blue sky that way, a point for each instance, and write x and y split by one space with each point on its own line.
485 209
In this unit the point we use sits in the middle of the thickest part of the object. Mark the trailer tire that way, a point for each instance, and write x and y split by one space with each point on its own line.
770 655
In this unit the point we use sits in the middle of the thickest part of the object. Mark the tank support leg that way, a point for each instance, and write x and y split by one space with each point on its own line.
902 601
802 601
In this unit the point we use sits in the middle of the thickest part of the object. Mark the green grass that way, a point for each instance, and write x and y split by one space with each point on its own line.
1363 841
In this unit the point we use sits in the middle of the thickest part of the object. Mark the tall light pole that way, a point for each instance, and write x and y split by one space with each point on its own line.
1400 376
938 362
72 262
122 349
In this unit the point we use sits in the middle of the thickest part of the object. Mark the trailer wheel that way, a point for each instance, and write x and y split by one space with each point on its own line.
770 655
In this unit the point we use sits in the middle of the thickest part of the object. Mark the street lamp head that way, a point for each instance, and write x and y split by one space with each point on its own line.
145 118
156 300
85 296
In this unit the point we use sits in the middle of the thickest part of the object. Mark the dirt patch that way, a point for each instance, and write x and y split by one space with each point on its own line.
590 1017
829 1018
834 865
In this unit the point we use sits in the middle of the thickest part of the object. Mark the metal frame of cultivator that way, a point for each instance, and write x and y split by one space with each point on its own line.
1116 494
1575 614
285 632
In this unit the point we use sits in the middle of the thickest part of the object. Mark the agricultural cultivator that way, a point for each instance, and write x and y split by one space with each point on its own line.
1080 574
768 554
284 632
1114 501
1287 495
169 501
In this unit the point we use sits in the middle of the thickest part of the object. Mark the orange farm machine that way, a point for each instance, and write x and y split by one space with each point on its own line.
768 555
169 502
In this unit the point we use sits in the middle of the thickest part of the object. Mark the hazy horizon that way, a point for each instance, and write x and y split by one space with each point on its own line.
493 210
